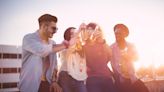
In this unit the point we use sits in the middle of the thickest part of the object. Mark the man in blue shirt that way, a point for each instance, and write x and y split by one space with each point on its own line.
39 61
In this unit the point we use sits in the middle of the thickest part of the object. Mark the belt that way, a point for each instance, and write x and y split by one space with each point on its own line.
43 78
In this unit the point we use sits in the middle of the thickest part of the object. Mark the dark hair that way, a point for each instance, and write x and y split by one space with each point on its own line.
67 33
92 25
123 28
47 18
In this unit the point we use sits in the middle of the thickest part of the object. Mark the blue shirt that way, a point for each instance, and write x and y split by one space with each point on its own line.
33 50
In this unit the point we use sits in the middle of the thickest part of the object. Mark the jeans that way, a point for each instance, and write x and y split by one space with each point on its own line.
100 84
69 84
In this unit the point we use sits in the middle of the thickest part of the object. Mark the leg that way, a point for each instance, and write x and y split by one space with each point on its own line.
79 86
44 86
108 85
94 84
125 85
64 82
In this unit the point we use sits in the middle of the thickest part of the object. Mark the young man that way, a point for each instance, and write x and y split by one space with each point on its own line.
39 62
123 56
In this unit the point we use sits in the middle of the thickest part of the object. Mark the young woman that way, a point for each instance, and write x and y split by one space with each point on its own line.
73 64
98 54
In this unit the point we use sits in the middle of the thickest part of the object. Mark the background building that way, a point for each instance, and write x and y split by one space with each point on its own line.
10 64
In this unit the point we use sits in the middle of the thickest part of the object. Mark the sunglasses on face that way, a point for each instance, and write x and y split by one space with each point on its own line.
54 29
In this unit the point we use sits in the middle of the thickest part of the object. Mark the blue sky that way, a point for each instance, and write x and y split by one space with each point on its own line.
145 19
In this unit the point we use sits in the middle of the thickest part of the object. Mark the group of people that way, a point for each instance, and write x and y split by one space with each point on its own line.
84 56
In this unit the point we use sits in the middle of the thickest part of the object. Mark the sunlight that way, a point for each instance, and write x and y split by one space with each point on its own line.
148 58
144 33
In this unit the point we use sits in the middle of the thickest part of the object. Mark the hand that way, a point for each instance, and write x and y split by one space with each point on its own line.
82 26
97 34
66 43
55 87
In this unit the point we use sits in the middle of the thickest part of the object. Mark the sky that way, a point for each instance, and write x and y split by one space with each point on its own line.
144 18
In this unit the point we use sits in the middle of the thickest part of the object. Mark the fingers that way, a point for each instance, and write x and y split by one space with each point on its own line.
84 35
82 26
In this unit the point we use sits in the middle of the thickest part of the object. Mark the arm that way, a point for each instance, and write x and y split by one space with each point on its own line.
36 47
54 85
114 61
59 47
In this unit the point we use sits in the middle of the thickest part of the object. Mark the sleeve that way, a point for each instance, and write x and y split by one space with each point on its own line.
34 46
114 61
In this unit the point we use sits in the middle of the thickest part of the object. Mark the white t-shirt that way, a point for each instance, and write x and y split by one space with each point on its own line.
73 63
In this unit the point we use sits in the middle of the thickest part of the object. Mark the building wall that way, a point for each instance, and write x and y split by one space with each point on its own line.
10 64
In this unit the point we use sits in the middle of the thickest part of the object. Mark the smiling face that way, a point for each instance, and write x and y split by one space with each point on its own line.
121 32
50 29
119 35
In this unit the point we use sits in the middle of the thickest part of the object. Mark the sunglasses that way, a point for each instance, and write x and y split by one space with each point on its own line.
54 29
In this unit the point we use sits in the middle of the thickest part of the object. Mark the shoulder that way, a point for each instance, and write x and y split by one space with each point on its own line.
29 36
52 41
107 48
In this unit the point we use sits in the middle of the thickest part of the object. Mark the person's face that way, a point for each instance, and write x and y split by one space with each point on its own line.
72 33
90 32
51 29
119 35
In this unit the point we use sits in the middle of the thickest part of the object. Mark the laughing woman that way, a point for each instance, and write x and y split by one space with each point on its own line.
73 68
